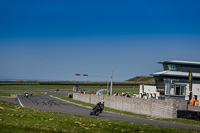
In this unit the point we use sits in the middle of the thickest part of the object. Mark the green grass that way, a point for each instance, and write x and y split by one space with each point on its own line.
119 90
5 94
175 120
54 87
14 118
181 120
34 87
6 90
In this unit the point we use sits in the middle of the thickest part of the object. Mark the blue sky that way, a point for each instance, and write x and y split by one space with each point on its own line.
53 40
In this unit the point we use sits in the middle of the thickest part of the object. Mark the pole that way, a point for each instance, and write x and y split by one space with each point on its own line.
190 84
190 81
142 87
190 87
107 85
111 83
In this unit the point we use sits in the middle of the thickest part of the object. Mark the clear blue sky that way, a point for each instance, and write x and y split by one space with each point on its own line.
53 40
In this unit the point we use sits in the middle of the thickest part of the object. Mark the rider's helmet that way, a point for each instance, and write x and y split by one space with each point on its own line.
102 101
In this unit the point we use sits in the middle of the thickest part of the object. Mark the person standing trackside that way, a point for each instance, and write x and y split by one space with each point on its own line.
192 102
197 103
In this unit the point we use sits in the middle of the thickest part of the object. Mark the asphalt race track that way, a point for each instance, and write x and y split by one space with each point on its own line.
47 103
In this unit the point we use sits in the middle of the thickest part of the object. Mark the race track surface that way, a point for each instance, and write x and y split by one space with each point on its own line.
48 103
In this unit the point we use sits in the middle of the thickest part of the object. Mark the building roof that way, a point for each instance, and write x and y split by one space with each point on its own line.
181 62
175 73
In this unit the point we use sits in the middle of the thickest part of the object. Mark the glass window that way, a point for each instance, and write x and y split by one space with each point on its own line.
171 67
172 90
178 90
165 67
183 90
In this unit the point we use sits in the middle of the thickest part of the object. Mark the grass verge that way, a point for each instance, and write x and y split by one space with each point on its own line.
5 94
34 87
14 118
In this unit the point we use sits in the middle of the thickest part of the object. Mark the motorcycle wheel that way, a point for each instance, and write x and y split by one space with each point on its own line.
97 113
91 113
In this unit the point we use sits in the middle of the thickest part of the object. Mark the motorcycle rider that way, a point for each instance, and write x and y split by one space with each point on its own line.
99 107
26 94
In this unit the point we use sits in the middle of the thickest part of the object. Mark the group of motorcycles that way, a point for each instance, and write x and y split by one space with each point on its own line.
98 108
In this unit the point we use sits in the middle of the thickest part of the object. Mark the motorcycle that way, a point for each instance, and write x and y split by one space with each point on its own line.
97 109
26 95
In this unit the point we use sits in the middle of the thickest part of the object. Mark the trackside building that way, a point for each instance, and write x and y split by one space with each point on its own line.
173 82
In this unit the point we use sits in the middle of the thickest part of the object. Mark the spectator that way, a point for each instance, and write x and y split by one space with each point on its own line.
192 101
152 96
134 94
197 103
123 94
144 95
114 93
94 92
128 94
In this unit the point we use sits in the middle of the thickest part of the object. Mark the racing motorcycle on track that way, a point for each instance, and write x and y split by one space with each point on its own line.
26 94
97 109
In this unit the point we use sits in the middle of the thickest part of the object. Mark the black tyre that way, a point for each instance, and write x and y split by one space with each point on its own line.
97 113
91 113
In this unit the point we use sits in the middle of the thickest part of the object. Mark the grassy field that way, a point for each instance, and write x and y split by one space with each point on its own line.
14 118
4 94
40 87
34 87
6 90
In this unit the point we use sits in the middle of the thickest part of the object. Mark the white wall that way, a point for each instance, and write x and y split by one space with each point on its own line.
149 89
195 91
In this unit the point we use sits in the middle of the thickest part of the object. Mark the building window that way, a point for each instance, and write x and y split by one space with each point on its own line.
172 89
165 67
183 89
178 90
172 67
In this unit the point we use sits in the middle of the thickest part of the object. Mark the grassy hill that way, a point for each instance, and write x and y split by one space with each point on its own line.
140 79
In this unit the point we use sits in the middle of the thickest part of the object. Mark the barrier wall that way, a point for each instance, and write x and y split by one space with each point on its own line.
152 107
193 115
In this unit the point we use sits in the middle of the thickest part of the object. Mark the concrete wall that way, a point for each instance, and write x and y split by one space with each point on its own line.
152 107
194 108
